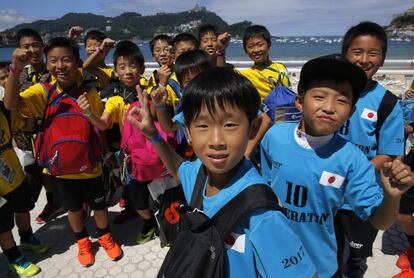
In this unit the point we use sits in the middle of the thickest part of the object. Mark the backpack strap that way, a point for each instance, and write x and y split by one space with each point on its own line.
384 110
49 88
250 199
197 196
176 87
156 77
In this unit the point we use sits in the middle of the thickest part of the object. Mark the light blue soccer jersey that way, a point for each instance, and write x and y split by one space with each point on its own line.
263 245
312 184
360 128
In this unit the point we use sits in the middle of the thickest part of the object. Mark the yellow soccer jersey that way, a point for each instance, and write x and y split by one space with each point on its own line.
265 78
11 172
117 108
173 95
105 75
35 98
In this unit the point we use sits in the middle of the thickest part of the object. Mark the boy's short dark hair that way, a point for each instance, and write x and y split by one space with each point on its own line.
161 37
362 29
205 29
256 31
184 37
28 32
190 61
228 88
62 42
129 51
95 35
5 65
335 68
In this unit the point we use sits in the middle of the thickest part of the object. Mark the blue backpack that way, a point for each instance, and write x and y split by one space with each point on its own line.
280 103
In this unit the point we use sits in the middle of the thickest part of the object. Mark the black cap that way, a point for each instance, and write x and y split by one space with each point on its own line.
333 66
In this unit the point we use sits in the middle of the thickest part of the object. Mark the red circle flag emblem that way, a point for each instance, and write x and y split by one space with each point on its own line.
370 115
331 179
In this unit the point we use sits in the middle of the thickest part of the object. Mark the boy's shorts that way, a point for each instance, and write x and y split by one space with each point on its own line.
71 193
136 195
19 200
407 202
407 199
359 234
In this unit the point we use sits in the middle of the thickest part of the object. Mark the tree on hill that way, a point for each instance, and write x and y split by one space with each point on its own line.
133 25
403 20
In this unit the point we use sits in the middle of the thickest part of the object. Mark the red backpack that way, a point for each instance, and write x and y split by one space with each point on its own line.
67 142
140 156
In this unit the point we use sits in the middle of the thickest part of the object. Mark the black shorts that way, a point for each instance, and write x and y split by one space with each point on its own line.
359 234
136 195
19 200
407 202
407 199
71 194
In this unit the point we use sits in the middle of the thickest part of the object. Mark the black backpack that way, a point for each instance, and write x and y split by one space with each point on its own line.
384 110
198 250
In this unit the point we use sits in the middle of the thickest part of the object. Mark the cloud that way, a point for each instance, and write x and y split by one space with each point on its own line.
9 18
146 6
304 17
294 17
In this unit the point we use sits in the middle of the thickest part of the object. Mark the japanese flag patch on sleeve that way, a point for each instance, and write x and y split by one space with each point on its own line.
331 179
369 115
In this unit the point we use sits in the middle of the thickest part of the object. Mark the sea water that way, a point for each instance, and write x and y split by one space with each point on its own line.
293 51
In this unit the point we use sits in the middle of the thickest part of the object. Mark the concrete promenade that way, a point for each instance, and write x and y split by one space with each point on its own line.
145 260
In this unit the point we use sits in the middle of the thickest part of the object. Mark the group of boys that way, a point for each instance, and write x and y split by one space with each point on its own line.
337 186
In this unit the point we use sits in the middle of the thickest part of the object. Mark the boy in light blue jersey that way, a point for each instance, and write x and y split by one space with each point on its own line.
313 170
220 117
376 127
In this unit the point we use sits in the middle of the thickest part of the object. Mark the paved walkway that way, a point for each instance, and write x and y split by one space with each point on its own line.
145 260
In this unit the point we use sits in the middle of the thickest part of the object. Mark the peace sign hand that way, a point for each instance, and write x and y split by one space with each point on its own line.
140 117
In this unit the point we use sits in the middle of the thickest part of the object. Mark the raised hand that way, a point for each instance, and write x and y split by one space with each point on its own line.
396 177
140 117
74 32
223 41
107 44
21 58
159 96
163 74
409 93
84 105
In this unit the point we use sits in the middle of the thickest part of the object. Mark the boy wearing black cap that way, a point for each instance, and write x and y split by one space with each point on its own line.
376 128
313 170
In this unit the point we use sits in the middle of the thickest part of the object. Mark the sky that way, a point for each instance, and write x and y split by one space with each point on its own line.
281 17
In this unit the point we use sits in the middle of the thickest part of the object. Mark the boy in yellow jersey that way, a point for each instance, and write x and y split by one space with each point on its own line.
15 201
36 71
105 76
113 135
93 40
129 65
74 187
161 49
264 74
29 39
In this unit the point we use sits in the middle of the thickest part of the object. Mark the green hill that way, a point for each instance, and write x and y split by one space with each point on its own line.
133 25
402 25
